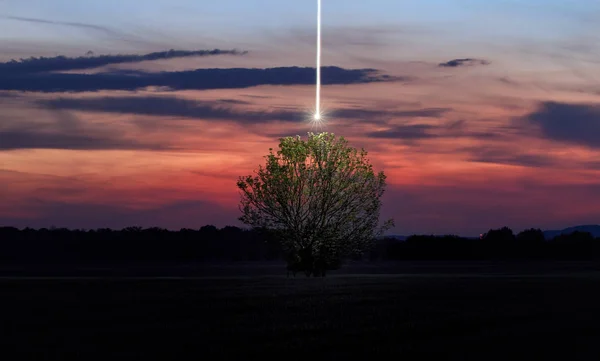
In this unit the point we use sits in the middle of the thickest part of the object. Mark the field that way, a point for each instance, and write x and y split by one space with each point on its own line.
448 316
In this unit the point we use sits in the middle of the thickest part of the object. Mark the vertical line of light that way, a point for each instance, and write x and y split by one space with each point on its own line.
318 100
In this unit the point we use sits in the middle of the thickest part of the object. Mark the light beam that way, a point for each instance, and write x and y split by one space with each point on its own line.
317 116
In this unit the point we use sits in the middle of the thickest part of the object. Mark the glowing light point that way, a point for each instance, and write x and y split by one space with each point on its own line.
317 117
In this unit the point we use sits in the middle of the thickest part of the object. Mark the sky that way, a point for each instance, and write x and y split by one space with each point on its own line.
482 114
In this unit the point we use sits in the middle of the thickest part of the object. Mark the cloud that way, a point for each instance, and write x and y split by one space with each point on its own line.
200 79
65 131
463 62
503 156
11 140
234 101
570 123
6 95
112 33
169 106
63 23
369 114
257 96
439 129
406 132
62 63
223 109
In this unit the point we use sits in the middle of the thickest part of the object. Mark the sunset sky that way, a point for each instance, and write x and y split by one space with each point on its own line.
483 114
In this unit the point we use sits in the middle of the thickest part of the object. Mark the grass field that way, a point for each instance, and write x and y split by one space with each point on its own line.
352 317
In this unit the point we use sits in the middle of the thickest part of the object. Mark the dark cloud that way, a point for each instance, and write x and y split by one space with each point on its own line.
570 123
5 95
508 81
234 101
405 132
592 165
66 132
370 114
257 96
503 156
62 63
463 62
460 128
218 110
443 129
200 79
232 110
169 106
11 140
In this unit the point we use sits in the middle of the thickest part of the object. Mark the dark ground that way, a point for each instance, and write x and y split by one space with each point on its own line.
448 311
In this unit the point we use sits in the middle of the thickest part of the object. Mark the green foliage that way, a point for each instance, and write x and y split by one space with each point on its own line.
319 194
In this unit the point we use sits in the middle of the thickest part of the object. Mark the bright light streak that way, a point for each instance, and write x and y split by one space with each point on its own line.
317 116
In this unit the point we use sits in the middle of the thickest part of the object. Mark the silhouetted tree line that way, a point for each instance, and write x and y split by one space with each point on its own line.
497 244
134 244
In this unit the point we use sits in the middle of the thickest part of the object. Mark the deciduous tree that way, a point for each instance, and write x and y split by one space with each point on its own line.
320 195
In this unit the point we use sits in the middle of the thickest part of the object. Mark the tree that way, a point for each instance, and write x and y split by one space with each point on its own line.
320 195
531 236
501 235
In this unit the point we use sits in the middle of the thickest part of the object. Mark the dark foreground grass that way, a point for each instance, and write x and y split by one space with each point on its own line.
404 318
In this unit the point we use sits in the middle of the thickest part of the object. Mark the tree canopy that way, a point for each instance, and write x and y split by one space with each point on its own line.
322 197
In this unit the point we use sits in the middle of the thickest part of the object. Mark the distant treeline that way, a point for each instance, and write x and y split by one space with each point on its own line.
498 244
134 244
